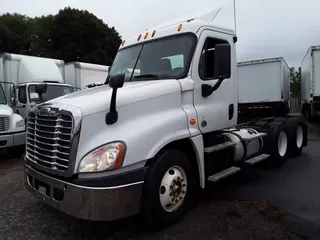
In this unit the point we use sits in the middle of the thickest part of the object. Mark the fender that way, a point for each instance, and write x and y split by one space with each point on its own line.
144 126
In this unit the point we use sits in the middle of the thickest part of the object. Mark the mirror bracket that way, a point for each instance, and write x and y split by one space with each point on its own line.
207 90
112 115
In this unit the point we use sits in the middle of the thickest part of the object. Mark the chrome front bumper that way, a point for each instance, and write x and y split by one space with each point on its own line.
90 203
12 139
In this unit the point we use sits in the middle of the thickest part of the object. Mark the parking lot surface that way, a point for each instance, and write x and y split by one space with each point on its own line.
233 209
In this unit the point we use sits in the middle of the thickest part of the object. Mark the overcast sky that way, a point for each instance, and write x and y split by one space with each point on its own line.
266 28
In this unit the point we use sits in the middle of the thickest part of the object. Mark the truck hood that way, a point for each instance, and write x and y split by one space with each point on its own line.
98 99
5 110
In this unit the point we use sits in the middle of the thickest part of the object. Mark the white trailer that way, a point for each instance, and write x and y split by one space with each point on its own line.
310 83
146 143
80 75
264 87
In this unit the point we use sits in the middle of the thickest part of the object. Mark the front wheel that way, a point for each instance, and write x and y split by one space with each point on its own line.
169 186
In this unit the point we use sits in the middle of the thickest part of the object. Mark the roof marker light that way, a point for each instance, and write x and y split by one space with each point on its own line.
153 33
179 27
146 35
139 37
123 42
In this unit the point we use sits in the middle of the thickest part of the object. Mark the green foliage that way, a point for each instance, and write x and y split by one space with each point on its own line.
71 35
295 82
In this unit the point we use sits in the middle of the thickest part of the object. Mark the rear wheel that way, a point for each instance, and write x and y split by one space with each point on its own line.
297 136
276 143
281 119
170 185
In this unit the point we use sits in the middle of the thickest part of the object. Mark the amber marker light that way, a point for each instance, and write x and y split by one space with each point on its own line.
192 121
153 33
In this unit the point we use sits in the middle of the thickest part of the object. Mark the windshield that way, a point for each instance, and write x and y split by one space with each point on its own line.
2 96
166 58
53 91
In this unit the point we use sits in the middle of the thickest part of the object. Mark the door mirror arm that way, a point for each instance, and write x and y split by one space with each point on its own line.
207 89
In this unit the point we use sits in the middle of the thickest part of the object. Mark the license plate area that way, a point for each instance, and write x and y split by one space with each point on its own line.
53 192
42 187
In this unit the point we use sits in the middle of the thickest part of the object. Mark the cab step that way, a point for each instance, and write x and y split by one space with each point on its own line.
254 136
218 147
257 159
223 174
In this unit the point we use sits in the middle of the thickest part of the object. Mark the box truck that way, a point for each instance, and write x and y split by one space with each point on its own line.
310 83
25 75
82 75
264 87
12 128
147 142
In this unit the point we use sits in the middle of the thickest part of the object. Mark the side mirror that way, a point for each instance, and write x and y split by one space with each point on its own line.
222 61
32 104
117 81
13 101
41 88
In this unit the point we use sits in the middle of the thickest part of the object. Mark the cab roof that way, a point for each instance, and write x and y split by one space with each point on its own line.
182 25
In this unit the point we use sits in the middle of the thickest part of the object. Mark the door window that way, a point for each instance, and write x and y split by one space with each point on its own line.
206 64
22 94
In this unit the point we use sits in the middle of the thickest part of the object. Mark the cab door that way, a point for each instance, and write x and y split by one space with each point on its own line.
22 101
217 110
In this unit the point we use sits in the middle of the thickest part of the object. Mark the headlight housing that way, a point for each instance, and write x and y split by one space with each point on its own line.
106 157
20 123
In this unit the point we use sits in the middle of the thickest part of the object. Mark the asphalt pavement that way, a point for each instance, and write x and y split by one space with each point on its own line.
225 210
294 187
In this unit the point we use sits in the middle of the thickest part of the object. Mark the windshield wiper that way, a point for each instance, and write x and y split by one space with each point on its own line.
149 75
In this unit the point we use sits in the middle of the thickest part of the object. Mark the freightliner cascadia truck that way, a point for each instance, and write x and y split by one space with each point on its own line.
149 139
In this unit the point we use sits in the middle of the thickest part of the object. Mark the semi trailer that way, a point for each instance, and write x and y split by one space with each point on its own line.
264 88
146 142
310 83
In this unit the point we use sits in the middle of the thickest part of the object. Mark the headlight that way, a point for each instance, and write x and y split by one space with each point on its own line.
106 157
20 124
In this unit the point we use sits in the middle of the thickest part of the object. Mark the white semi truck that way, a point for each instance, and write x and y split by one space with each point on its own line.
12 128
264 88
80 75
26 76
310 83
147 142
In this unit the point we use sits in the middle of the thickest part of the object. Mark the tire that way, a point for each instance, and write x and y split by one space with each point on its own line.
278 149
156 193
297 136
308 115
281 119
261 123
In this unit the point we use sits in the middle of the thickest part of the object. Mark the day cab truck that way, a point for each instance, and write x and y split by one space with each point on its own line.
263 88
310 83
12 128
147 142
31 80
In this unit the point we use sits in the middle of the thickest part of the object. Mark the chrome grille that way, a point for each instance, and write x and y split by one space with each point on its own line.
49 140
4 124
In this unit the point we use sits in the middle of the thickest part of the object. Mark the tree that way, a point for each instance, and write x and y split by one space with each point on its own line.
71 35
78 35
13 33
295 82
